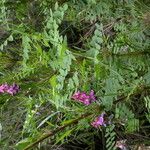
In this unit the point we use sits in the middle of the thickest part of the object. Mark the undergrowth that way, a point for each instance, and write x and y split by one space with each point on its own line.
54 49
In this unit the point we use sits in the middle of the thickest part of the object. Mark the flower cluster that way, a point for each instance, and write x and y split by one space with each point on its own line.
99 121
10 89
84 98
87 99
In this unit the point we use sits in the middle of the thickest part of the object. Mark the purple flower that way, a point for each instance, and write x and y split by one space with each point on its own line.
3 88
99 121
84 98
13 89
92 96
76 95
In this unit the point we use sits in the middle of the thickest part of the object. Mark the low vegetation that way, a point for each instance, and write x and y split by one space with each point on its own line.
74 74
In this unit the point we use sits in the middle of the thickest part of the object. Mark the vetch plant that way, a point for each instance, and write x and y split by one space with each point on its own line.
99 121
87 99
84 98
99 47
3 88
10 89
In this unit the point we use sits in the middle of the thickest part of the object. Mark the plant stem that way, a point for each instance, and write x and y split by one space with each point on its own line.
46 135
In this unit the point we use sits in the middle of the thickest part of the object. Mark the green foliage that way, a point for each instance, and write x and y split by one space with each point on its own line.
3 13
95 44
110 137
127 118
147 104
22 144
5 43
53 49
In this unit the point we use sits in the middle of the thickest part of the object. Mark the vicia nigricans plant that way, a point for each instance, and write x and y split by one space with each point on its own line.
84 98
99 121
10 89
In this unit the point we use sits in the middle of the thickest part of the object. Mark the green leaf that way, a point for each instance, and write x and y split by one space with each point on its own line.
10 38
53 81
64 135
23 143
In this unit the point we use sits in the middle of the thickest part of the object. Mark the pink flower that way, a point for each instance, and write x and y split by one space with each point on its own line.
92 96
13 89
84 98
99 121
3 88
